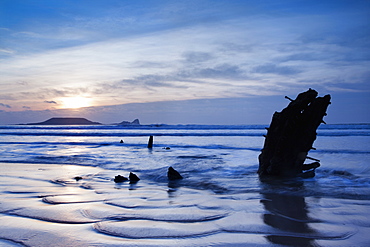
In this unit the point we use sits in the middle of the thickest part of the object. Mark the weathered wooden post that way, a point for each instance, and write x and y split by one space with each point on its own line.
150 142
291 135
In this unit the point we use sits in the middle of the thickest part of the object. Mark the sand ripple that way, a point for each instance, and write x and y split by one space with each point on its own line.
176 214
155 229
97 212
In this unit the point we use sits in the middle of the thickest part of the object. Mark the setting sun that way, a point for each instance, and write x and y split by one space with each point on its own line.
76 102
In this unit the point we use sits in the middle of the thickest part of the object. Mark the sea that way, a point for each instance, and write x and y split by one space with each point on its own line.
218 163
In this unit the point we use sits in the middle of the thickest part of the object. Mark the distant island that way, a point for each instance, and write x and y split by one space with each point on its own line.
135 122
66 121
80 121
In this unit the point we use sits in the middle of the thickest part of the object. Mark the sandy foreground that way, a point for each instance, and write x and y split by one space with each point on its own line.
44 205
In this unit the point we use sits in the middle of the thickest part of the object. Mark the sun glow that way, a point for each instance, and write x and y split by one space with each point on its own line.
76 102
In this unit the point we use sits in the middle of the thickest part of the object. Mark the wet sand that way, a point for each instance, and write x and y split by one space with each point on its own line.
43 205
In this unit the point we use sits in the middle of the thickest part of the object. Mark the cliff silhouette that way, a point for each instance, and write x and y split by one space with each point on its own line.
66 121
135 122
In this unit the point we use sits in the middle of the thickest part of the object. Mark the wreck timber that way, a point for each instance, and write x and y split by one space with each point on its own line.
291 135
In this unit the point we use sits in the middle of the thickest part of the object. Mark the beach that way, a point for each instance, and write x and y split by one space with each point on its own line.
66 201
43 205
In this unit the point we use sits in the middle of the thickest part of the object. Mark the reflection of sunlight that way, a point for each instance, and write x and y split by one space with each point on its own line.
75 190
76 138
72 171
72 168
73 151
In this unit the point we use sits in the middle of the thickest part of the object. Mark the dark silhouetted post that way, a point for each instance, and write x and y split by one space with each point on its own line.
150 143
291 135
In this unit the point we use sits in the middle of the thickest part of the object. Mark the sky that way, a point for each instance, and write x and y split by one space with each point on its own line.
181 62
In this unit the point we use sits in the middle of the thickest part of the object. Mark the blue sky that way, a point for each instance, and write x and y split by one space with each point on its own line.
205 62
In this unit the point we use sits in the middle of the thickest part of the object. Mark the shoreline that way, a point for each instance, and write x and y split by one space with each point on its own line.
43 204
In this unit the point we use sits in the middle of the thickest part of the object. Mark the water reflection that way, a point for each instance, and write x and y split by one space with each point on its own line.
288 214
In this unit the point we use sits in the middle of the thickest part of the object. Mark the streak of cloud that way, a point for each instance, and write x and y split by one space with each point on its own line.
275 69
5 105
119 52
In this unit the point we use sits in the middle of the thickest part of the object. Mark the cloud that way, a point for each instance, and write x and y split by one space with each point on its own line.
193 57
123 57
7 97
6 51
23 83
303 56
151 80
26 107
246 110
50 102
276 69
148 64
5 105
43 93
175 79
223 71
136 84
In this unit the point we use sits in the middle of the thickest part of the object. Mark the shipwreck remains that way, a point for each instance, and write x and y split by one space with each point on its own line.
150 142
291 135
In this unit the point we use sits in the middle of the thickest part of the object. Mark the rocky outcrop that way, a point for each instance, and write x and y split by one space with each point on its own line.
291 135
66 121
135 122
133 178
172 174
120 179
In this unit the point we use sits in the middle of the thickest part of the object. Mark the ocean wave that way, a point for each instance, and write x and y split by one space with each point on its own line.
341 151
175 146
175 127
141 127
171 134
123 134
136 145
170 130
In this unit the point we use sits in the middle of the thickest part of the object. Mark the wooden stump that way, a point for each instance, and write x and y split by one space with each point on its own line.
150 142
291 135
